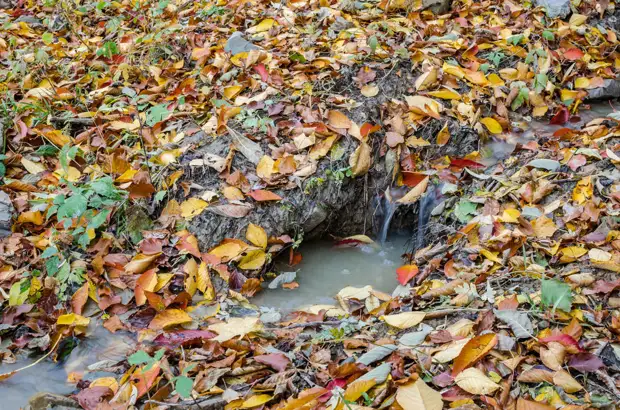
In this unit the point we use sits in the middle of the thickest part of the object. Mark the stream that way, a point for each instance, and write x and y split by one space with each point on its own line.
323 271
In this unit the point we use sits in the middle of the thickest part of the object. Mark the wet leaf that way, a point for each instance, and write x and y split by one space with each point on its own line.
405 273
253 260
492 125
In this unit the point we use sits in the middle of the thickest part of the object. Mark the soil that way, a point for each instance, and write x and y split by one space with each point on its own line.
336 207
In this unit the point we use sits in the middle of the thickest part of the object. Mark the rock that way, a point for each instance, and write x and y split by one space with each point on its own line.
437 6
237 44
555 8
51 401
6 214
609 90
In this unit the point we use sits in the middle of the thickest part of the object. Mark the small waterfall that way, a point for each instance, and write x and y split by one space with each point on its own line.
389 207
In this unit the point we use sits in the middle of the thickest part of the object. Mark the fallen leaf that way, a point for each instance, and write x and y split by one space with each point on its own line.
473 351
337 119
473 381
256 235
418 396
404 320
170 317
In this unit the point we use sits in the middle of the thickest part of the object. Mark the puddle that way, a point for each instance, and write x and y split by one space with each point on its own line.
49 376
326 269
502 146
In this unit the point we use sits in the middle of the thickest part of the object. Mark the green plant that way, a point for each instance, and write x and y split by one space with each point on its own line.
313 182
252 120
496 57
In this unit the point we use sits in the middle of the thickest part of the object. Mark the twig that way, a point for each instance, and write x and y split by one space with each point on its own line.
307 324
445 312
205 403
73 120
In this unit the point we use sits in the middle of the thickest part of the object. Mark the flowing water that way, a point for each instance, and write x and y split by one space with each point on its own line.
49 376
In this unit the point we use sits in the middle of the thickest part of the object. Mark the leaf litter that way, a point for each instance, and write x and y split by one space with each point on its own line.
515 298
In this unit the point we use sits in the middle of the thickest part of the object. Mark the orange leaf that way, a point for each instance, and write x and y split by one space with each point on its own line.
79 298
146 282
356 389
443 136
140 263
473 351
337 119
406 273
262 195
523 404
573 54
169 317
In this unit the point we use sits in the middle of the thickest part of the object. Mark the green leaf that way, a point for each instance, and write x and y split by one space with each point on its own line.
139 357
17 295
556 295
48 38
98 219
373 43
465 210
297 57
73 207
156 114
183 385
47 150
48 252
548 35
540 82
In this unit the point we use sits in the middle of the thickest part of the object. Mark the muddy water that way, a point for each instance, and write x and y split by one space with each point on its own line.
326 269
49 376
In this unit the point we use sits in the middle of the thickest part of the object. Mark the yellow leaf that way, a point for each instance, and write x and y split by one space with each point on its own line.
193 207
443 136
424 105
492 256
492 125
445 94
418 396
140 263
510 216
265 167
369 90
231 193
203 282
360 159
566 94
583 190
426 79
255 401
34 217
356 389
453 70
582 82
109 382
577 19
495 80
474 381
256 235
162 280
253 260
72 174
168 318
337 119
236 326
232 91
57 138
261 27
72 319
226 251
415 193
564 380
404 320
572 253
32 167
544 227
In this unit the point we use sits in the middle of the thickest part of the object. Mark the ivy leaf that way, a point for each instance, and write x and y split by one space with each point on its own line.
556 295
156 114
183 385
139 357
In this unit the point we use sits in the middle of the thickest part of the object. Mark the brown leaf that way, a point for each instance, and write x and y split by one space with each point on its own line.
79 299
276 361
360 159
140 263
337 119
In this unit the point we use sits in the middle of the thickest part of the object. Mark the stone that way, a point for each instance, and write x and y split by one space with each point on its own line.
437 6
609 90
237 44
6 214
555 8
51 401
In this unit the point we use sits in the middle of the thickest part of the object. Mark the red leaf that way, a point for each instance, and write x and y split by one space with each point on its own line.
563 339
330 386
464 163
262 71
262 195
366 129
560 117
175 339
406 273
276 361
573 54
412 179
